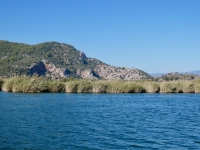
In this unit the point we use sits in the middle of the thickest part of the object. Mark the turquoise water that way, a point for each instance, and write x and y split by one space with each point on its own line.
99 121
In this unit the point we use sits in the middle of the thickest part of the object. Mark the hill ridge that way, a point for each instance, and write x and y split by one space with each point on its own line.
59 60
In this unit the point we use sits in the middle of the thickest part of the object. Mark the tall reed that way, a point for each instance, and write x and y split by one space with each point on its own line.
171 87
100 86
196 83
79 86
27 84
150 86
35 84
124 87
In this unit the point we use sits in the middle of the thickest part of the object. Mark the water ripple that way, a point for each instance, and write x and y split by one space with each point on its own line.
99 121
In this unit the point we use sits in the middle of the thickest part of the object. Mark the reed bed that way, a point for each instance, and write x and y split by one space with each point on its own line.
34 84
101 86
180 86
79 86
27 84
150 86
113 86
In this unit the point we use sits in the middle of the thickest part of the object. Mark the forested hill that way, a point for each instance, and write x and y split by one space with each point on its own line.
58 60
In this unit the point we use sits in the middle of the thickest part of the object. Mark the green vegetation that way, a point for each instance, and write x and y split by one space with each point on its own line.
36 84
150 86
112 86
27 84
180 86
103 86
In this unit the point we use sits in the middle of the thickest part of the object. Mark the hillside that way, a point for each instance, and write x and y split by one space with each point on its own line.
58 60
176 76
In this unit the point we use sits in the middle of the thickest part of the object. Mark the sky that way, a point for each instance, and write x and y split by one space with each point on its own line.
151 35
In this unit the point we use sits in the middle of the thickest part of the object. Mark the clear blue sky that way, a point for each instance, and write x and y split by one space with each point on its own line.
152 35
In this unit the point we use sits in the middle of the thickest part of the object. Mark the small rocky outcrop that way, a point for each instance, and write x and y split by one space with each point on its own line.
87 74
37 68
54 72
49 70
83 58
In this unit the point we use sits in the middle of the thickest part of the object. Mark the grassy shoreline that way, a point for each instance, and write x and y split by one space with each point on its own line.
27 84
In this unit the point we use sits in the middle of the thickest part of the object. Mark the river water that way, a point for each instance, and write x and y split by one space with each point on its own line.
99 121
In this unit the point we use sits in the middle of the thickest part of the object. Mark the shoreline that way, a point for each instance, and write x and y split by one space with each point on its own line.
27 84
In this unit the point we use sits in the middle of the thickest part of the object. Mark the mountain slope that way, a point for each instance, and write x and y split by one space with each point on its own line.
59 60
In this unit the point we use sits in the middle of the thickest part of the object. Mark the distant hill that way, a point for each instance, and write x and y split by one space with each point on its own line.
59 60
193 72
197 72
176 76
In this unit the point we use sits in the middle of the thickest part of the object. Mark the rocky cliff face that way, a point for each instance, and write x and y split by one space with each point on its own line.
87 74
112 72
49 70
99 72
59 60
